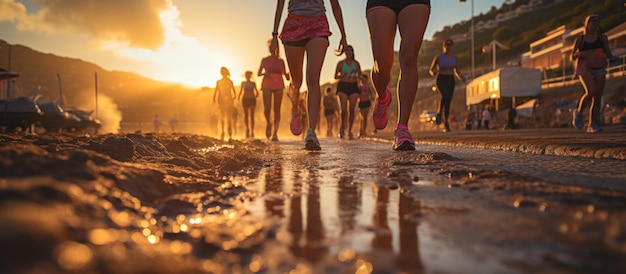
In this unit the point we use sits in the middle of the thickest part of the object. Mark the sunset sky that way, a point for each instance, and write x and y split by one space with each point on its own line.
184 41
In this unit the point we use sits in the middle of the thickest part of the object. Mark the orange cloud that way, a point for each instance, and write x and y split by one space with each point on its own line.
136 23
11 11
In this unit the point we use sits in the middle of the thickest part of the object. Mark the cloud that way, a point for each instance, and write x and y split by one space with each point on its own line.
135 23
11 11
145 32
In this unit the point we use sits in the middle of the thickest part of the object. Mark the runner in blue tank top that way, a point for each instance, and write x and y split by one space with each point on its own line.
444 68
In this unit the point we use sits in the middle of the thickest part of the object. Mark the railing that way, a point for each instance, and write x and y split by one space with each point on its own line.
566 80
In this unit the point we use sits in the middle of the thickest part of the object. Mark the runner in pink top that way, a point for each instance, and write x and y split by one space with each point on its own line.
305 35
272 69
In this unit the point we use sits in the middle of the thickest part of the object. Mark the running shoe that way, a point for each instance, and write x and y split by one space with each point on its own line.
380 115
403 140
577 119
593 128
311 142
296 124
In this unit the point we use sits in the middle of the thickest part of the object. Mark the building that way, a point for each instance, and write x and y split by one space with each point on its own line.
554 49
617 39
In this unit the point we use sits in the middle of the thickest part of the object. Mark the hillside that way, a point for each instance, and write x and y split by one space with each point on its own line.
134 97
519 32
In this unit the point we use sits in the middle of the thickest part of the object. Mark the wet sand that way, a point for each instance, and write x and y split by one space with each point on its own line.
133 203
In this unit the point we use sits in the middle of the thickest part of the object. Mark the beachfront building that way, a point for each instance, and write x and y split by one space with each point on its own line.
553 50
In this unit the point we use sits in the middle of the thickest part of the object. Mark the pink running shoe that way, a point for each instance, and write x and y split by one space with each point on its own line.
380 112
403 140
296 124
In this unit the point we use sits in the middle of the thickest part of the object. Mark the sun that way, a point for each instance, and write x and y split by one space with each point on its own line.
182 59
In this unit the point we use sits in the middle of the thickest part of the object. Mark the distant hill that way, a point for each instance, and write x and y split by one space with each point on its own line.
137 97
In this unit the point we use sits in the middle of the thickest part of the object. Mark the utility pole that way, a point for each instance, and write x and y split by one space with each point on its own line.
472 34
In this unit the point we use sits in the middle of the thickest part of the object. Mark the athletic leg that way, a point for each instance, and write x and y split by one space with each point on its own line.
382 27
316 52
412 22
352 101
343 102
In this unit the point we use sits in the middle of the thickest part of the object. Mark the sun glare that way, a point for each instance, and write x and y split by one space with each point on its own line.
182 59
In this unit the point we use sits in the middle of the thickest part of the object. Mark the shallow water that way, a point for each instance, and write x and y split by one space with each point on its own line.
349 200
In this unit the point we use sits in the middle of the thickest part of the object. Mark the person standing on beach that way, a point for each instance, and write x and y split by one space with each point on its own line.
157 123
590 53
366 95
173 123
486 117
445 68
348 72
250 92
225 97
306 32
272 69
410 17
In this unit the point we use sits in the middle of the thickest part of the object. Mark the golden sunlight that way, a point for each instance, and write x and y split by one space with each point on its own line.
181 58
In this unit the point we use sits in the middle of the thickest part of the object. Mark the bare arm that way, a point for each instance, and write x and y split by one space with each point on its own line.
607 50
232 89
280 5
434 65
339 18
261 67
240 90
358 68
456 69
217 90
576 50
285 71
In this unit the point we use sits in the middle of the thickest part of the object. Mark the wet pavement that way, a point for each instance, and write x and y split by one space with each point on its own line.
525 201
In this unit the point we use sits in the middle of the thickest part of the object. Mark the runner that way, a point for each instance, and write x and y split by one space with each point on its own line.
250 92
305 33
225 97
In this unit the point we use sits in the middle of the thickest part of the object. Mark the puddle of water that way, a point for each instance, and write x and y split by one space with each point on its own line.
332 203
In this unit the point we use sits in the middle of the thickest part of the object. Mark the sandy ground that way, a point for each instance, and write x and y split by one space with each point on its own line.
133 203
113 203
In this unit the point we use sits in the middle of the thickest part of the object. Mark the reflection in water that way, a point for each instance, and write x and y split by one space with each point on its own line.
301 195
382 235
409 258
274 185
349 200
312 246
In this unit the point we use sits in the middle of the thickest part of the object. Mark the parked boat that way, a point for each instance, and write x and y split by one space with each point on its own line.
85 123
54 117
19 112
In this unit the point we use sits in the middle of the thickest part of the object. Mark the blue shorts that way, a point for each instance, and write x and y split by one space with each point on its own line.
395 5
